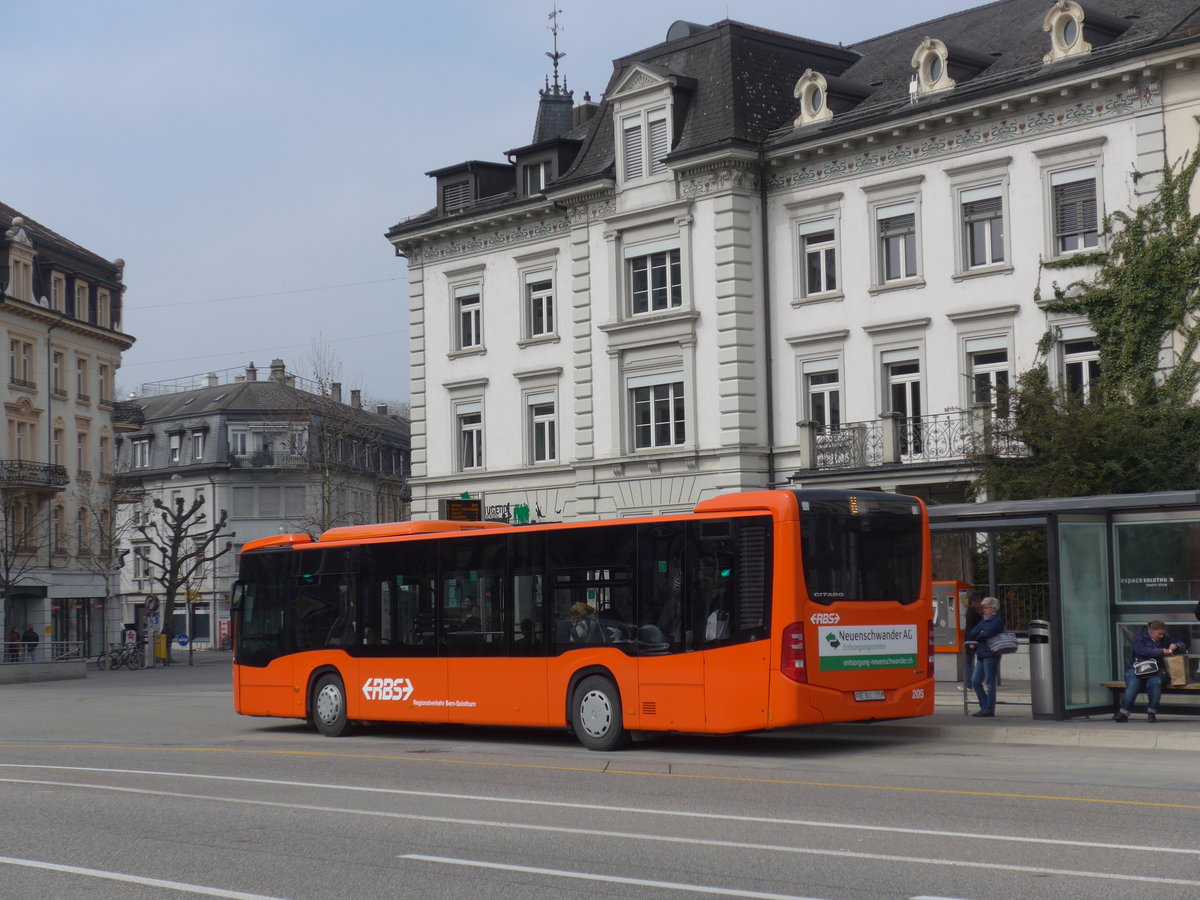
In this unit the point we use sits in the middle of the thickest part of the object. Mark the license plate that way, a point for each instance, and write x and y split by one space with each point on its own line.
868 695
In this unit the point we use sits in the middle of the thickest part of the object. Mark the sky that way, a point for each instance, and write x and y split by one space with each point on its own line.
246 157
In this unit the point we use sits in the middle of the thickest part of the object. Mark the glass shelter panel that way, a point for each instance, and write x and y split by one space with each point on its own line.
1083 582
1157 562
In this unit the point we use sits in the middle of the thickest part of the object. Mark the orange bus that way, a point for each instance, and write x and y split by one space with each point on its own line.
757 610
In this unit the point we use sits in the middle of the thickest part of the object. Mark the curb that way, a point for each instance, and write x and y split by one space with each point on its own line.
1050 735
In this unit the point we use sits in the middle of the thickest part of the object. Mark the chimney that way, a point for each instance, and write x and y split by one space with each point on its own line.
211 380
356 398
335 391
381 409
585 111
251 373
278 371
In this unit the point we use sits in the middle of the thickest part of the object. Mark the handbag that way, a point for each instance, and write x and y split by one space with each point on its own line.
1144 668
1003 643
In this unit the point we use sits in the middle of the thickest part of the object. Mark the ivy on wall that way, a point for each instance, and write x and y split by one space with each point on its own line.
1139 428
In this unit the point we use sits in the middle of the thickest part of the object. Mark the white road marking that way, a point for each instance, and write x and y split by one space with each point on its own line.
626 835
135 879
631 810
607 879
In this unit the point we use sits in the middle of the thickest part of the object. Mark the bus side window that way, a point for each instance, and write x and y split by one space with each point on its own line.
662 616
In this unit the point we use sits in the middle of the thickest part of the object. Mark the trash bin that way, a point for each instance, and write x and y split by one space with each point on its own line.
160 646
1041 671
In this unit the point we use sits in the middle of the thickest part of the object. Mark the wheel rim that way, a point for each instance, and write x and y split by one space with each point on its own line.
595 713
329 704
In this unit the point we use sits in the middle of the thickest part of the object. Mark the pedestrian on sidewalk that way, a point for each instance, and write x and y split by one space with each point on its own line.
30 638
1151 643
14 644
974 598
986 670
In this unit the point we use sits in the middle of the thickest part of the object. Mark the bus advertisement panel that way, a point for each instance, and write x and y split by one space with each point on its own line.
758 610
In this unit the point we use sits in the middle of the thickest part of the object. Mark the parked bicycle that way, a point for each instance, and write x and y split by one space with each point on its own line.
130 655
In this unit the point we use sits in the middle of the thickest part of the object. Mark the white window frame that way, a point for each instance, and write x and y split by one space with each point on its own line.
823 368
539 297
468 427
977 346
239 442
1086 359
81 379
647 389
197 445
542 426
644 138
1068 165
58 291
140 450
543 170
174 446
462 285
890 201
656 256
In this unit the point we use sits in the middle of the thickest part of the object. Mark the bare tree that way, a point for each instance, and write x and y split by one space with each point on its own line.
22 518
185 544
99 550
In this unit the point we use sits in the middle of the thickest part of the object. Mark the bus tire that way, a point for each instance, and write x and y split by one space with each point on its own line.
329 706
596 714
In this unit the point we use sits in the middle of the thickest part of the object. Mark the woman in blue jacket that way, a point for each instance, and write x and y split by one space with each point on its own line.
987 663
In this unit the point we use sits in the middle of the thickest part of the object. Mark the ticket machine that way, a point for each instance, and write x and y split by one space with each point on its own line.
949 621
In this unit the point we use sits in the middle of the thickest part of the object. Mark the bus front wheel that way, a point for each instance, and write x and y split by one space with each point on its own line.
329 707
596 714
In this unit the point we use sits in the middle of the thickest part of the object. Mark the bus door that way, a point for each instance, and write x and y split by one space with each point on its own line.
670 673
262 670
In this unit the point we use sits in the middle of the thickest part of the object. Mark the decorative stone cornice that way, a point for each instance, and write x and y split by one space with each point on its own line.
999 132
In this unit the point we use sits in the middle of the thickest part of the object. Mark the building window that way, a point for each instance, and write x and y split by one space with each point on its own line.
237 443
81 300
105 457
645 141
543 438
58 292
824 393
539 304
536 176
102 309
81 379
983 227
655 282
197 445
175 447
456 196
897 231
818 250
141 454
56 443
1081 367
81 453
102 381
83 534
21 363
990 378
1075 210
56 375
469 309
904 397
658 415
470 436
59 537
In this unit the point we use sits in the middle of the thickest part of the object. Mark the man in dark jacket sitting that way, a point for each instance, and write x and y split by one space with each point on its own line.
1151 643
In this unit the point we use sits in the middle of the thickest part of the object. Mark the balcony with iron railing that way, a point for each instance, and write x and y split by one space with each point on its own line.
893 439
127 415
22 473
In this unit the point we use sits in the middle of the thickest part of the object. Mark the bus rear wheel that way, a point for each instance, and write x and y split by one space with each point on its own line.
329 706
596 714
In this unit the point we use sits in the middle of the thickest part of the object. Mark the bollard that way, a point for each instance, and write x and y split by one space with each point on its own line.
1041 671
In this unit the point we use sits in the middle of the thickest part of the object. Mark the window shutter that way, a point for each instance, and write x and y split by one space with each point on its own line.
981 210
633 151
1075 207
456 196
658 145
898 225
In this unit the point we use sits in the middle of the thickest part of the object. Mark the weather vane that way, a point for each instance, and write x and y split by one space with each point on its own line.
555 56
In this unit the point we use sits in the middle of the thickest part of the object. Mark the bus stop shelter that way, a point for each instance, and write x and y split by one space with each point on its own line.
1114 563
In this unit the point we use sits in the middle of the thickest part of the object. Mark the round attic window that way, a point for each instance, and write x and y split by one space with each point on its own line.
816 100
1070 31
935 69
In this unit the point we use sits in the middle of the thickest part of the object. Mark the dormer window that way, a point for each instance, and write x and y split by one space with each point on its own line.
645 140
456 196
536 176
932 71
1064 21
812 90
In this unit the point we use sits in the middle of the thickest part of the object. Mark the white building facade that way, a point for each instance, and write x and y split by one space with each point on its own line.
821 271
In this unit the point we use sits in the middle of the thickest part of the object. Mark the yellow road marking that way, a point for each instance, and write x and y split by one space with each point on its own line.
322 754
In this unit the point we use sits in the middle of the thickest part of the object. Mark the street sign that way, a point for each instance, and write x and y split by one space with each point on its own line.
151 620
151 603
183 639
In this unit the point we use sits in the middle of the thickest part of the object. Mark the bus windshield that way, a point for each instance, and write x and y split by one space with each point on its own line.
862 546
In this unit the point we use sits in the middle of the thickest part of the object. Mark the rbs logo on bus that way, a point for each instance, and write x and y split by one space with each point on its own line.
387 688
